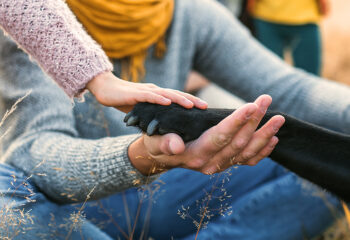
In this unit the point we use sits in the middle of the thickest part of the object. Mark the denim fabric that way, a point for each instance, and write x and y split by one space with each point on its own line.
265 200
26 213
88 139
262 202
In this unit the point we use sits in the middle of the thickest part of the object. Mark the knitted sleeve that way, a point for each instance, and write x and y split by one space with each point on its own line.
41 137
227 54
68 168
49 32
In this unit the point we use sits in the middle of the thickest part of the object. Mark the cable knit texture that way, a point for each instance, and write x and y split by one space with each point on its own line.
44 141
49 32
82 147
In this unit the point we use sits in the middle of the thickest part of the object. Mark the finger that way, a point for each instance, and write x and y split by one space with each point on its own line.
246 143
264 153
168 144
248 130
149 85
184 99
143 96
199 103
215 166
261 138
244 135
175 97
217 137
261 147
125 109
151 97
263 102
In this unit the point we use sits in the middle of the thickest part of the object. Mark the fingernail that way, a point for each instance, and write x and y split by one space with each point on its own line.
166 100
264 105
274 143
250 112
176 146
171 148
277 126
203 103
188 102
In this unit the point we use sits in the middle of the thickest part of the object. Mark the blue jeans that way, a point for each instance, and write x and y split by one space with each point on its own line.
261 202
303 40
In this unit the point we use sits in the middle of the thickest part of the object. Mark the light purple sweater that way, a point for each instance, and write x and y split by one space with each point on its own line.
91 138
49 32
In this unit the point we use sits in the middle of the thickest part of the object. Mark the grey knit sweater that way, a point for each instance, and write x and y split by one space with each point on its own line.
70 150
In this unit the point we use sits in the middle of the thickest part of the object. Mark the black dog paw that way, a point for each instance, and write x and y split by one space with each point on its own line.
188 123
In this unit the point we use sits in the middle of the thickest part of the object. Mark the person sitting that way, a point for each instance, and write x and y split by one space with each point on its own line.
55 154
293 25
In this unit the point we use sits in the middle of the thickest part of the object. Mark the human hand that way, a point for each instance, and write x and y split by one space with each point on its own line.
123 95
324 7
250 5
234 140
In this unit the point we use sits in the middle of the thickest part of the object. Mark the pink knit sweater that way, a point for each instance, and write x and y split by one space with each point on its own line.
49 32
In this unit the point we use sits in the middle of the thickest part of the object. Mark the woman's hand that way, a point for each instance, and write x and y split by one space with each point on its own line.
234 140
123 95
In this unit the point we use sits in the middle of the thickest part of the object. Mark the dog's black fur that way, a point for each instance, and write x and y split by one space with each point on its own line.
314 153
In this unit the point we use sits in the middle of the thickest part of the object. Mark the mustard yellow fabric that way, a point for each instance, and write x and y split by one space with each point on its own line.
287 11
126 28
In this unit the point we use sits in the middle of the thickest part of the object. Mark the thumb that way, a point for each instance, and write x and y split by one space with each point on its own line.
168 144
175 145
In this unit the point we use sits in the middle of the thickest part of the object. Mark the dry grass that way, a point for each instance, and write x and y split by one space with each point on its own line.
336 66
217 192
14 221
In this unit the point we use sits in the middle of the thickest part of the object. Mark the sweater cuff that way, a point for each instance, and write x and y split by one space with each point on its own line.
76 86
132 173
121 174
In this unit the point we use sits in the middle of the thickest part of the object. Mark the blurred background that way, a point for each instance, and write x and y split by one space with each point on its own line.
335 35
336 42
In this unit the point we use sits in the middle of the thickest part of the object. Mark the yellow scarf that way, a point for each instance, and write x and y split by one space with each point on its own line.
126 28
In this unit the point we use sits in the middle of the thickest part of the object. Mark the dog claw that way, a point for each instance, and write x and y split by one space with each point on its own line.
152 127
132 121
127 116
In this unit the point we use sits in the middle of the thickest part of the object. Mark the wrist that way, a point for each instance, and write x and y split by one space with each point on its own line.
141 159
101 86
95 83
